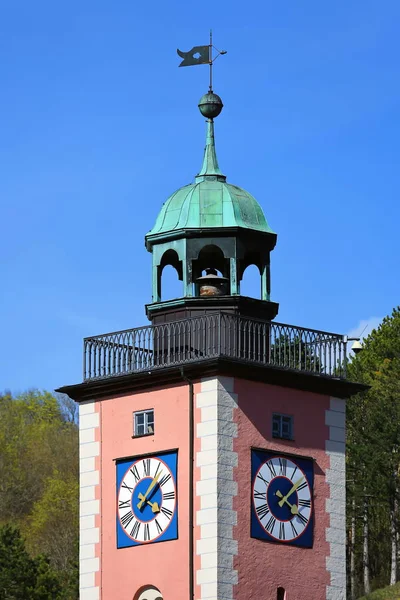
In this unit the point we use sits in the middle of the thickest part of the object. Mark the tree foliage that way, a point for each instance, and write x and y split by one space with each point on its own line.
39 487
373 458
296 352
56 511
22 576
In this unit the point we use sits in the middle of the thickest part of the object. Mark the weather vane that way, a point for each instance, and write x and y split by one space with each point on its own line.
201 55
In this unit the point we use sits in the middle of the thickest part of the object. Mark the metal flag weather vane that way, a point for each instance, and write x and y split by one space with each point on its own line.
201 55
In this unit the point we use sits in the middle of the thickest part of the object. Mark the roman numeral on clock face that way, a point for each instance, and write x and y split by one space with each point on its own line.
302 518
146 467
259 495
135 473
135 530
158 468
127 487
259 476
169 496
305 503
126 519
146 532
282 466
281 531
271 524
159 528
124 504
302 486
164 479
168 513
262 510
271 468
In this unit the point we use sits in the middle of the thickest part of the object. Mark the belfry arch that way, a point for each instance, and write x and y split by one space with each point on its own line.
169 259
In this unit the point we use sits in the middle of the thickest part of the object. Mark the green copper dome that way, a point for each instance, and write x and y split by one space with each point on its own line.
210 204
210 201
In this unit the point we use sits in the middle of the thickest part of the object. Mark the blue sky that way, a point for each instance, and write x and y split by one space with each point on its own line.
99 126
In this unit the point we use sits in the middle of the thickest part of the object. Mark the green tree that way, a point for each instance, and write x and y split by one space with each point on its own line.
22 576
54 521
39 472
373 473
48 584
31 432
297 352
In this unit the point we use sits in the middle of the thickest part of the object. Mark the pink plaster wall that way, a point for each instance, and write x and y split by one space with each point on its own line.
165 564
197 501
263 567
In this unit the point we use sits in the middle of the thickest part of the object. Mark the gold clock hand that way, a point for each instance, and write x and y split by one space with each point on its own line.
293 508
154 505
144 496
290 492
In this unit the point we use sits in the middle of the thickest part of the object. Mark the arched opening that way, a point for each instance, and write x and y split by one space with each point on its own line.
171 286
148 592
170 278
251 282
281 594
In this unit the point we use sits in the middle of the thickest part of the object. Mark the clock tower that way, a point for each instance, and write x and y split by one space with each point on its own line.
212 440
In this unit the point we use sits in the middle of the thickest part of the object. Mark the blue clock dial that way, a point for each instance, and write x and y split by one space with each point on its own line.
146 500
282 508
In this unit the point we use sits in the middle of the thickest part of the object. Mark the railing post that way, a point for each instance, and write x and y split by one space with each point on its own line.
219 335
84 360
344 346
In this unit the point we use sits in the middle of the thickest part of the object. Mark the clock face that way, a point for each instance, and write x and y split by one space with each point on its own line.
281 499
146 500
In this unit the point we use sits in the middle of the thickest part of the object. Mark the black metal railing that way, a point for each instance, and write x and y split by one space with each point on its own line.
215 335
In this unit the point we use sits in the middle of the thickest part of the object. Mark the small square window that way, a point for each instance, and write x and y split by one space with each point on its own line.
282 426
143 422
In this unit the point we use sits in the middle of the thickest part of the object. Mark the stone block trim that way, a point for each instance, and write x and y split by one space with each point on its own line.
215 489
335 446
89 503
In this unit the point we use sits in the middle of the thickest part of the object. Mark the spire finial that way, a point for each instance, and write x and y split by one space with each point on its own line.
210 166
210 106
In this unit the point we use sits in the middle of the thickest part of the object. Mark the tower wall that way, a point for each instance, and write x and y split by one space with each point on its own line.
120 573
234 415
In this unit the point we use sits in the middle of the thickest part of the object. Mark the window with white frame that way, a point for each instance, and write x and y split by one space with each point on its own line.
282 426
143 422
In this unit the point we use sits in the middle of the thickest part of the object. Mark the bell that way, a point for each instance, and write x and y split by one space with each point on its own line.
212 284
